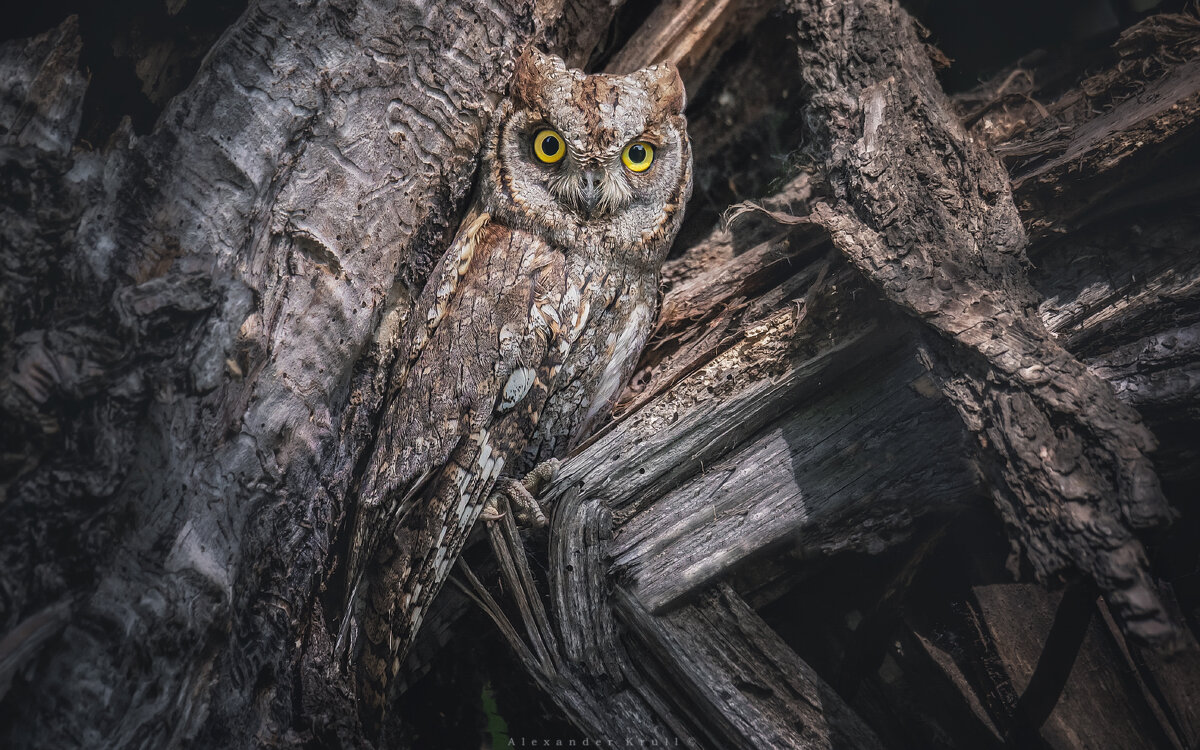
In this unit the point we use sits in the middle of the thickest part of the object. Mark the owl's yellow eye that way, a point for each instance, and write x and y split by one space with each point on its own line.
638 156
548 146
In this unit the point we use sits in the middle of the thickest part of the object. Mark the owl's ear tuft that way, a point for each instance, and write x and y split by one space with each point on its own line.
533 72
666 86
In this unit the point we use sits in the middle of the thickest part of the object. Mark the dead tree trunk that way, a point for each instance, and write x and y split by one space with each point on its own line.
946 363
195 355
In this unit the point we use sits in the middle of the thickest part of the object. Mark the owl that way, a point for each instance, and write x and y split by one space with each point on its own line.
524 335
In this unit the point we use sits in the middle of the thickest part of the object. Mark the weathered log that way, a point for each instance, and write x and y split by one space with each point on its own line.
1103 146
739 679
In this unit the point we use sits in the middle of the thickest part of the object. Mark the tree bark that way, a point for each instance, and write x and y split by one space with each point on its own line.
260 248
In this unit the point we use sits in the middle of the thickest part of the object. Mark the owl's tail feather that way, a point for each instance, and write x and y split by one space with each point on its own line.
412 561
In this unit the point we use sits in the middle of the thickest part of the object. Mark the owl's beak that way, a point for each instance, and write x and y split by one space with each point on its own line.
591 191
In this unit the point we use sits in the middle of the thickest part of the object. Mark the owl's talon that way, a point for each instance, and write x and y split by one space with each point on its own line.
541 476
521 496
491 509
511 493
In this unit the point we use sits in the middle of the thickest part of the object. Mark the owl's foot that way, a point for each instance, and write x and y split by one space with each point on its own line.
521 496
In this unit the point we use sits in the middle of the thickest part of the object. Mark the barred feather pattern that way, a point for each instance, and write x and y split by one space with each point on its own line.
519 343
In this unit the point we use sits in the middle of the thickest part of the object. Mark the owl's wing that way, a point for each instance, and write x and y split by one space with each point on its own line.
396 475
403 460
471 398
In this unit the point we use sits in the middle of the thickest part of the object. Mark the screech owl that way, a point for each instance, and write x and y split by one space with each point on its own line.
525 333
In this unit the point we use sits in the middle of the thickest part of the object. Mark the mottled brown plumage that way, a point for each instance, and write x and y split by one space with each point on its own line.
524 334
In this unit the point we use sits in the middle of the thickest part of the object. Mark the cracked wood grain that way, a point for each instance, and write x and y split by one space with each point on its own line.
742 684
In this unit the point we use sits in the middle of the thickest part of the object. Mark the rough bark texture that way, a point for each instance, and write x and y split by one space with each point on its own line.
858 402
927 216
298 191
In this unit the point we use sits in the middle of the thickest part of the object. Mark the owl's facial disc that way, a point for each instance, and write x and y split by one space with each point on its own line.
590 187
600 159
593 172
583 184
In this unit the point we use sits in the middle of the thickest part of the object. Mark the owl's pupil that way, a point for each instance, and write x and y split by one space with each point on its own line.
637 154
550 145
